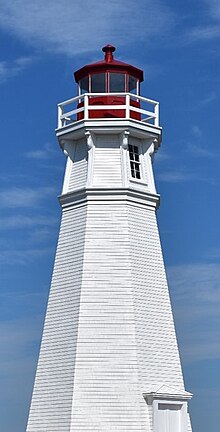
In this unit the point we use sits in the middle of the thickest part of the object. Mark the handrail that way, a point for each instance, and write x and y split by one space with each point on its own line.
72 114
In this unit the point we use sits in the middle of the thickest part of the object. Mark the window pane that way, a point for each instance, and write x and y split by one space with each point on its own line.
132 84
134 161
98 83
116 82
84 85
171 407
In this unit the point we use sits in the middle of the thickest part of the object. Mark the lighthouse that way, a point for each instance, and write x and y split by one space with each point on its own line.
109 359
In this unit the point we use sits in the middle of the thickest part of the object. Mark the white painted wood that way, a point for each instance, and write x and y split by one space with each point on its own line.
169 416
109 348
78 175
107 170
64 117
91 155
67 175
124 161
99 332
53 390
77 164
148 164
155 333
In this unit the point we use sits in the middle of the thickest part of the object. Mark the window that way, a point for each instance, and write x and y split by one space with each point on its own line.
84 85
116 82
134 161
132 84
98 83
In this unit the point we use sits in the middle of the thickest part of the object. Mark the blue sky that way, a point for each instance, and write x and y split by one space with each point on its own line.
177 45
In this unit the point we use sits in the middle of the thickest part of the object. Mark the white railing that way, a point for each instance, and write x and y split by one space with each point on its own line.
80 107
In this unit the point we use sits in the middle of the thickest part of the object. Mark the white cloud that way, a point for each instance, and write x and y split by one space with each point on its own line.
195 293
196 131
205 33
206 100
179 176
23 256
175 176
17 336
11 69
210 29
214 8
199 150
24 197
73 27
24 221
42 154
162 156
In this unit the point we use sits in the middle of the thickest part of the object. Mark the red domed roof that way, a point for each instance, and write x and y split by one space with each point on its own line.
109 64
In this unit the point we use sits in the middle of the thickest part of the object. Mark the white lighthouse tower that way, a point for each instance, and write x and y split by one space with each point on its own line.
109 359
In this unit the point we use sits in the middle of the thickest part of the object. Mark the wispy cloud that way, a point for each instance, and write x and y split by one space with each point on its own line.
175 176
199 150
210 28
75 27
43 154
24 197
180 176
196 131
205 33
196 297
11 69
213 253
196 146
17 337
214 8
162 156
24 221
207 100
23 256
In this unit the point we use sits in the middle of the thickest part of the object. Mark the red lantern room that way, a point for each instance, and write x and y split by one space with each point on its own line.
107 80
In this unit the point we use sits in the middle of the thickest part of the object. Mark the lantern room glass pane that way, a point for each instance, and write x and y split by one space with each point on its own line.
98 83
132 84
116 82
84 85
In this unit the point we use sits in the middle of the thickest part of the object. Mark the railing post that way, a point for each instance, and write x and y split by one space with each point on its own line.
156 112
127 103
60 112
86 107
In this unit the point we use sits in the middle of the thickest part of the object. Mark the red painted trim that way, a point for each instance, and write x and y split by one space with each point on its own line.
109 64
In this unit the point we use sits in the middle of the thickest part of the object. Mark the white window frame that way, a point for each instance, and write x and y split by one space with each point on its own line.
139 162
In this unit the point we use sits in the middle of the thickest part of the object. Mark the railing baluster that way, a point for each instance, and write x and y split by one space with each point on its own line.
127 103
66 117
86 107
60 112
156 112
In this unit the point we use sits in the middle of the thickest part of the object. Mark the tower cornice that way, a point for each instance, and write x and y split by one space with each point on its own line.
110 196
137 129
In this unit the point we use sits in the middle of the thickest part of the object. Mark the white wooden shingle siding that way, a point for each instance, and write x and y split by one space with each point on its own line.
100 360
155 333
107 163
53 390
106 396
78 175
109 334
